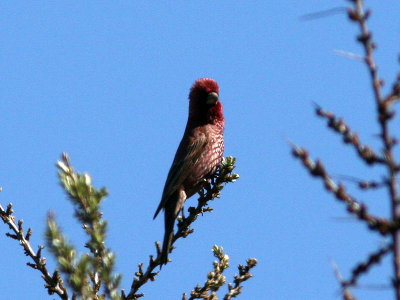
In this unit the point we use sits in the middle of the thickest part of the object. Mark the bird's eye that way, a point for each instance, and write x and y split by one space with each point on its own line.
212 98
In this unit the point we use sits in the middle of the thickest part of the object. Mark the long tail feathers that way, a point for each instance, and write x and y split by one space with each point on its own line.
169 233
166 247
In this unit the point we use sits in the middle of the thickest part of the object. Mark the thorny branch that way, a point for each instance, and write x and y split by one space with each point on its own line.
363 267
346 294
210 191
354 207
349 137
244 274
364 184
385 113
54 283
86 199
385 226
360 269
87 273
216 279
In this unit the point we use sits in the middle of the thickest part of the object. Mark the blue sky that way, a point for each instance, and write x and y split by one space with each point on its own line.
107 82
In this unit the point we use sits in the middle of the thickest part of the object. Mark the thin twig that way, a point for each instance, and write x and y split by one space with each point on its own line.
363 267
354 207
363 184
384 115
323 13
210 191
349 137
346 294
54 283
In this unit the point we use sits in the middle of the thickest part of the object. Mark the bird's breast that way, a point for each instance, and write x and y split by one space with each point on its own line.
208 161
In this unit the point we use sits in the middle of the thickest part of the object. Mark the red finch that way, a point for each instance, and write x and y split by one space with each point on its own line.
197 157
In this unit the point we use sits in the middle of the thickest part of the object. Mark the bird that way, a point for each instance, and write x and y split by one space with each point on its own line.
197 157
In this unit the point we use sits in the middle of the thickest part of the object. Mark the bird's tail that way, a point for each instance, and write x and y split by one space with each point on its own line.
169 233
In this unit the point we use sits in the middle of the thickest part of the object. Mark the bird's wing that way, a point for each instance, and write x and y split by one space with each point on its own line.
180 169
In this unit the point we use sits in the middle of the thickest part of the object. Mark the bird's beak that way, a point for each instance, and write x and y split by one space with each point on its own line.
212 98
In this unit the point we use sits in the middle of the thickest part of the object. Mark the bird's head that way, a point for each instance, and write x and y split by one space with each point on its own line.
204 103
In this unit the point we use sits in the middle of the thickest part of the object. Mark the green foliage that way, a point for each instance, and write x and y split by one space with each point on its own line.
87 274
216 279
90 275
226 168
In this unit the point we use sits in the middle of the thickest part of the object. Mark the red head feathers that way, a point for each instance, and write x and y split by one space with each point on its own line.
204 106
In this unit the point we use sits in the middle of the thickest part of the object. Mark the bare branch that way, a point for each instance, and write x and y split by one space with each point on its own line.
363 267
54 283
356 208
210 191
349 137
346 294
384 112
